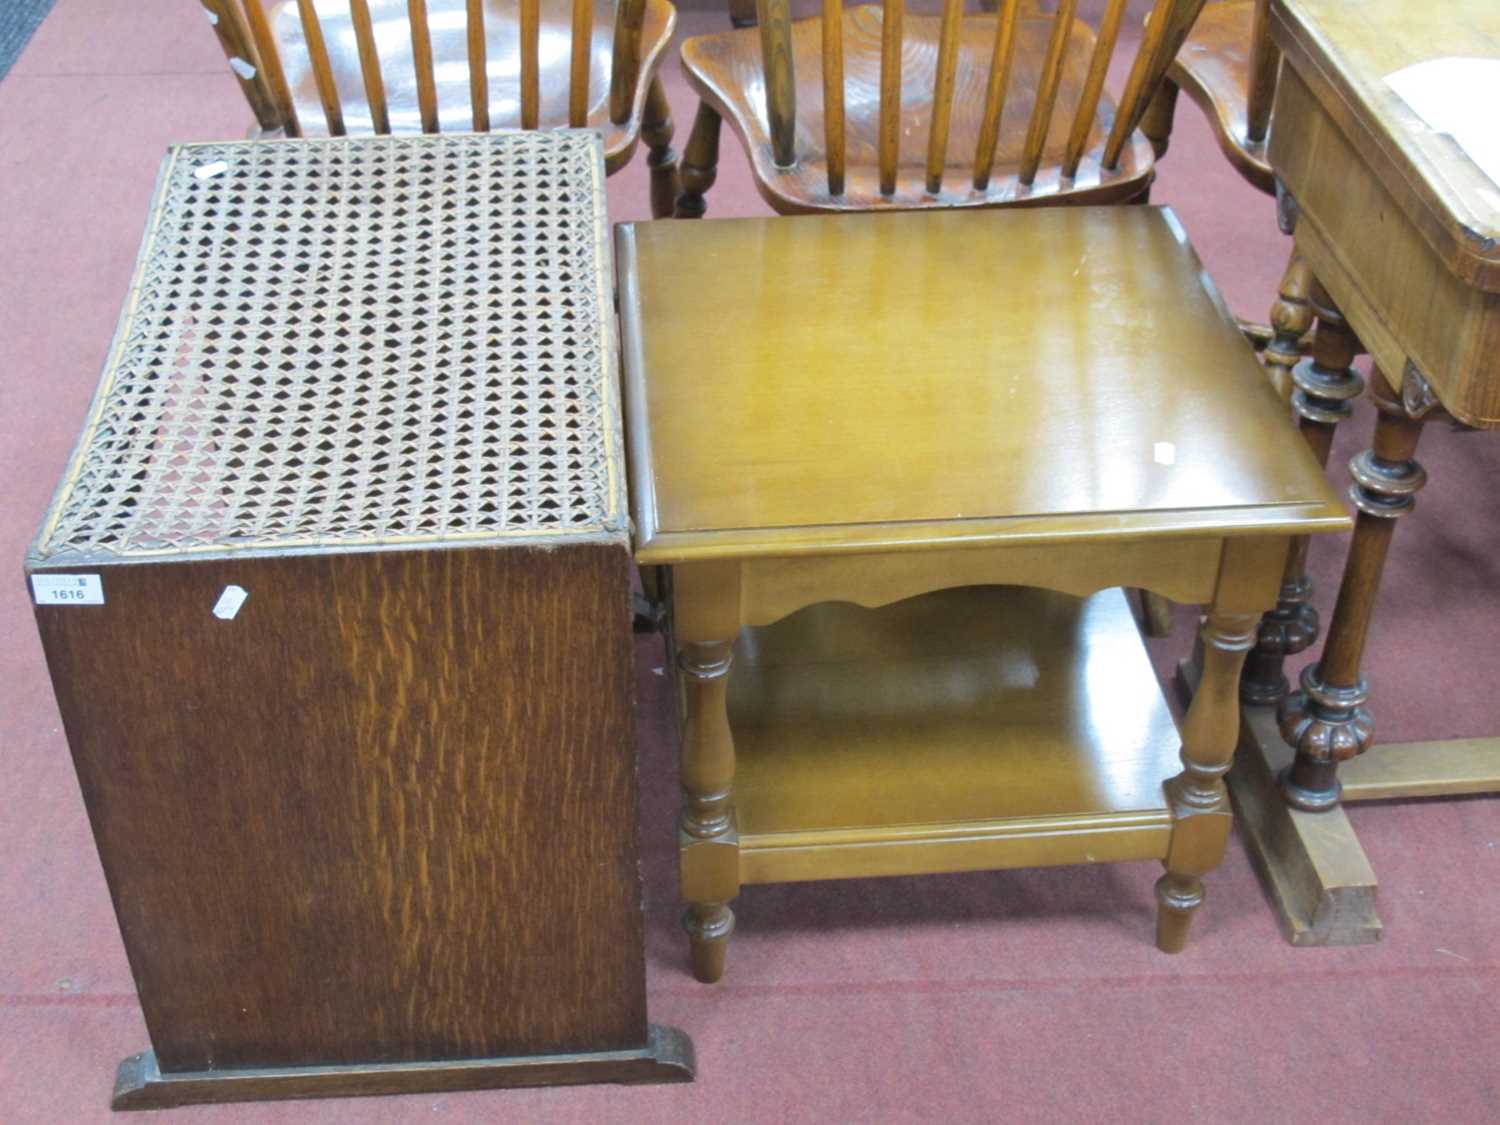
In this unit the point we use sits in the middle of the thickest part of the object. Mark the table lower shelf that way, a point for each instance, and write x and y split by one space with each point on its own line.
968 729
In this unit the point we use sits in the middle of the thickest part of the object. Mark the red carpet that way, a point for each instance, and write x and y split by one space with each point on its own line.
1008 997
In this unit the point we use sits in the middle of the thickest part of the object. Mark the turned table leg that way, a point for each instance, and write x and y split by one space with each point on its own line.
1325 385
708 841
1326 722
704 615
1200 803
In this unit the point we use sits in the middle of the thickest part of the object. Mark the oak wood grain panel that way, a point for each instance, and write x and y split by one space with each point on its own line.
385 814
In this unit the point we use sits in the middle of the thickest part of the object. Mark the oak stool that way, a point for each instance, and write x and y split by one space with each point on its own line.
893 497
335 594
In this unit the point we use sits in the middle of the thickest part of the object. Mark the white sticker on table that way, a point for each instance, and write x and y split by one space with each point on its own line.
229 602
67 589
1457 97
1164 453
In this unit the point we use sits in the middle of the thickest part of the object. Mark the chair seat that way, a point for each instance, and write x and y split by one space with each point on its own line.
448 22
890 380
1213 67
725 69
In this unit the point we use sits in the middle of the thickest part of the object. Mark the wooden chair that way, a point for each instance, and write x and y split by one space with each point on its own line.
406 66
871 108
1228 66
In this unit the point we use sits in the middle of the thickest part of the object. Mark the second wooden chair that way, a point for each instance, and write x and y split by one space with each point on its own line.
406 66
870 108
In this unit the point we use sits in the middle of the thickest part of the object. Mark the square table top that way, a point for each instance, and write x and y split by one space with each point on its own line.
880 382
355 344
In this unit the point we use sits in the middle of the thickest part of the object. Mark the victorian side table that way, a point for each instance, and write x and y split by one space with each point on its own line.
898 423
1401 229
335 595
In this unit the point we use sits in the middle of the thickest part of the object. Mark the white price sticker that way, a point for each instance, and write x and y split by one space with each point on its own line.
229 602
67 589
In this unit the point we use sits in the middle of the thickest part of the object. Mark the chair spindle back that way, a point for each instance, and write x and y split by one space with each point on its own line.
1166 28
246 34
369 64
239 48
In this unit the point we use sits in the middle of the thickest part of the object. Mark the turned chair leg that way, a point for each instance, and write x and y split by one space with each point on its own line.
656 130
700 163
1157 612
1156 124
708 842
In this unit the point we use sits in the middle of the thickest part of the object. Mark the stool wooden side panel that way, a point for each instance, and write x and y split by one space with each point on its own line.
332 825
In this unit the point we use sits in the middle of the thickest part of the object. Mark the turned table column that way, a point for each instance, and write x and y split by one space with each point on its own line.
1326 721
1325 386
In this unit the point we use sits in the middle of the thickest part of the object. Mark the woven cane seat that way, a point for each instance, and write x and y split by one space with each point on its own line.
354 343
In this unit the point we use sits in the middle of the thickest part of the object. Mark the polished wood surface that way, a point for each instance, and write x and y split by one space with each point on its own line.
879 422
971 728
1406 292
1222 65
892 110
1456 767
356 734
771 588
413 65
838 403
1343 54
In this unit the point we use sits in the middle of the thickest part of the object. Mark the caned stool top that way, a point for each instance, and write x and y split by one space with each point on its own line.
900 381
357 343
